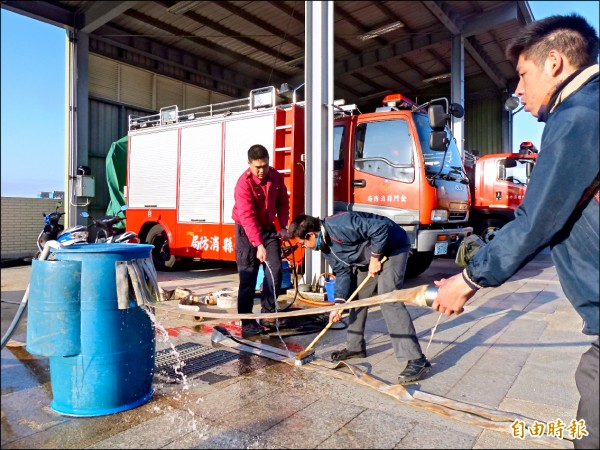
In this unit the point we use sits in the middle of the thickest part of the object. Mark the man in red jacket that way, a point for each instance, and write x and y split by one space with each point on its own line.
260 196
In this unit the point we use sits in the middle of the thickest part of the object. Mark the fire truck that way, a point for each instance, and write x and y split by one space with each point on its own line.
399 161
498 183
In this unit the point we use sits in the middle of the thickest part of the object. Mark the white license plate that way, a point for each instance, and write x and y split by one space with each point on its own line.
441 248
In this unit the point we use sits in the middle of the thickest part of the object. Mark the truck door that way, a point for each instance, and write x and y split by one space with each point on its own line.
383 172
341 173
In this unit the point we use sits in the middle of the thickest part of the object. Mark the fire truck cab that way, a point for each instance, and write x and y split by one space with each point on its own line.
388 163
498 184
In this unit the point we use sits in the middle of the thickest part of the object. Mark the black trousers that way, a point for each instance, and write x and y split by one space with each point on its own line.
248 266
587 381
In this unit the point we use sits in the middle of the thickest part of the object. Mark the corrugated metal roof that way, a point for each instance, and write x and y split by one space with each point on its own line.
249 44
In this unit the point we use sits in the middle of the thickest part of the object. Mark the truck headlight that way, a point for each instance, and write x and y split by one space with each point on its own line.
439 215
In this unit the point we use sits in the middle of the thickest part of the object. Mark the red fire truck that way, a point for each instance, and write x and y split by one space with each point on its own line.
498 183
399 161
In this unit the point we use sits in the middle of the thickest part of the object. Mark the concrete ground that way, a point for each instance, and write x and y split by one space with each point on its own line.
514 349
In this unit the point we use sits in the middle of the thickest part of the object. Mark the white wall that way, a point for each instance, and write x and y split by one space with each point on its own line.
22 221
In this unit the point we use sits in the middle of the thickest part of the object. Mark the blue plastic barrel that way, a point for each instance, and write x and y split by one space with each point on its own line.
115 367
259 278
53 308
330 289
286 277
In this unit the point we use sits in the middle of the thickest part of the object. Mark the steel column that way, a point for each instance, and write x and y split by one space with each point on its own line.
319 119
457 93
77 126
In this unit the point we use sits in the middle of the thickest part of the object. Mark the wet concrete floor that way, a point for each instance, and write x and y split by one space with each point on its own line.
514 349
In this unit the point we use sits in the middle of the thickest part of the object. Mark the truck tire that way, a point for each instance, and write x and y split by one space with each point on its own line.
486 228
161 254
418 263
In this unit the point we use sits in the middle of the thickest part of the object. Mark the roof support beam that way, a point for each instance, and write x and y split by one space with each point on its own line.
153 51
484 61
101 13
234 34
144 18
299 16
477 53
444 16
486 21
368 81
255 20
391 75
382 54
356 23
45 11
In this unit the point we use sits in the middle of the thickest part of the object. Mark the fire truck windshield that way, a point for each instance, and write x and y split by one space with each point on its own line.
433 158
515 170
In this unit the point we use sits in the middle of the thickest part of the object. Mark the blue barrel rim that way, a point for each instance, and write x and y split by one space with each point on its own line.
103 247
93 412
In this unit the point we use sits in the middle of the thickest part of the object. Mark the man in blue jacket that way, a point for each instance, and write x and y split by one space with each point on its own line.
558 83
353 244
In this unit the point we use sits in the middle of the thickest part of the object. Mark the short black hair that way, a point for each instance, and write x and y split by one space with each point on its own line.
571 35
302 225
256 152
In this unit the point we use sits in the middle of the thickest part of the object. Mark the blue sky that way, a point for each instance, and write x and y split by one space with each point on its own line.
33 99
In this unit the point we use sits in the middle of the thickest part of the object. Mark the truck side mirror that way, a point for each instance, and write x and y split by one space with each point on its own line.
437 117
528 169
438 141
511 103
457 110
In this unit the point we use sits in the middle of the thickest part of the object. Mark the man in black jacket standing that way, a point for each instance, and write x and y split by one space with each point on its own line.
353 244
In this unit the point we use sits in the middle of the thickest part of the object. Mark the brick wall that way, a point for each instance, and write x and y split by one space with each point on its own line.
22 221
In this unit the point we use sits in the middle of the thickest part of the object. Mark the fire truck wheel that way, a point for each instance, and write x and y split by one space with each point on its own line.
418 263
161 254
488 227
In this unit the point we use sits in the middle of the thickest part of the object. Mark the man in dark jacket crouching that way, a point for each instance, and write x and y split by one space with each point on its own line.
353 244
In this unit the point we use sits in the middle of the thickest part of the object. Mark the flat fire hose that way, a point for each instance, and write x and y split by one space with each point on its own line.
418 296
464 412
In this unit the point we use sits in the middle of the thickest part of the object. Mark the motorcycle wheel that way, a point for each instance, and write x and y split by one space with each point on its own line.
161 254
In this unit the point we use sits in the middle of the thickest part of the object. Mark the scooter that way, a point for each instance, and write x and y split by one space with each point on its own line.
54 231
104 230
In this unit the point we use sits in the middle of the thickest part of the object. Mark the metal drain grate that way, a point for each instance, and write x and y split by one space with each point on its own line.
197 359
